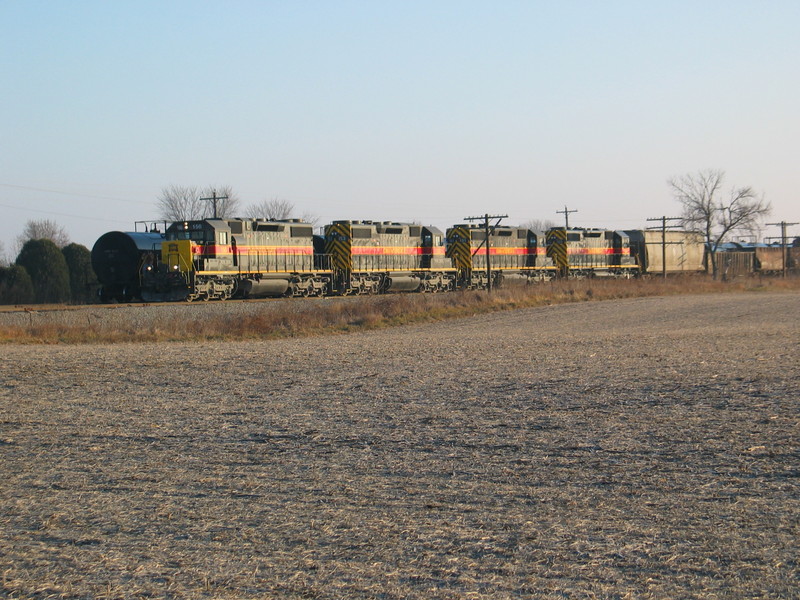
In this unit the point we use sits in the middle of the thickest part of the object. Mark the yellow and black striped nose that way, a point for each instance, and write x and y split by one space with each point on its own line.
557 247
459 247
339 245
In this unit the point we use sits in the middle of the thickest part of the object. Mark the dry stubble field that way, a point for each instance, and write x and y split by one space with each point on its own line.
636 448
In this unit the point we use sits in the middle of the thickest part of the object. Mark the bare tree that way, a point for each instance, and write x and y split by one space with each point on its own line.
44 229
278 210
182 203
309 217
3 257
271 209
708 209
539 224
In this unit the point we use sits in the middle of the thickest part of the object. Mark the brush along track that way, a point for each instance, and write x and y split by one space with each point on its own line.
639 448
133 316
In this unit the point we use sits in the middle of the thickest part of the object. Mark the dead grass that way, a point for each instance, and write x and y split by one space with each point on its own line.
366 313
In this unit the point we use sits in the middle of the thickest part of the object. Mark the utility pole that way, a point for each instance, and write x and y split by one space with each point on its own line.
566 213
485 218
784 250
214 199
664 240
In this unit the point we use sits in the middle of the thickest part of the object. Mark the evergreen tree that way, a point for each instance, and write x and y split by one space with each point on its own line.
82 279
15 285
48 271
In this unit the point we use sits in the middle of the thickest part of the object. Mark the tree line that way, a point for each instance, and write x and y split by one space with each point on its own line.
43 273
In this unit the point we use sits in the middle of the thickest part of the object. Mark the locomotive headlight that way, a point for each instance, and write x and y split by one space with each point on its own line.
148 268
174 267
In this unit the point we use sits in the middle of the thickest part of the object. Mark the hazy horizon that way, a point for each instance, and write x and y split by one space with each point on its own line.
407 111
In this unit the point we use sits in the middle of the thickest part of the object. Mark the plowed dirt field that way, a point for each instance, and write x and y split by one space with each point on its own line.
645 448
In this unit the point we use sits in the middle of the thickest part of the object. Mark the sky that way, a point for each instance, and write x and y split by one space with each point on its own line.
427 111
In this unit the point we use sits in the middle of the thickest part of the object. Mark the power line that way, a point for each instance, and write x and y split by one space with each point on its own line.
214 199
784 254
60 214
566 212
485 218
664 239
63 193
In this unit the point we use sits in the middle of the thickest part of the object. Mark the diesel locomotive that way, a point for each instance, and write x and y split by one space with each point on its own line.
224 258
368 257
592 253
512 253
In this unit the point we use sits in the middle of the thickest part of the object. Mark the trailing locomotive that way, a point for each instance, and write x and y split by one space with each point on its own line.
371 258
581 252
514 253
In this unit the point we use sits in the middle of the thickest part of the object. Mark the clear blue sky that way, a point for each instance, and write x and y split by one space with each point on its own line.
407 110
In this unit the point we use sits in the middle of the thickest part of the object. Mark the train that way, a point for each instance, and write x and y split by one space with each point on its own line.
222 258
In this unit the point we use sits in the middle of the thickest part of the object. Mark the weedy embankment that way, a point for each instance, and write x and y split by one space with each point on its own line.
305 318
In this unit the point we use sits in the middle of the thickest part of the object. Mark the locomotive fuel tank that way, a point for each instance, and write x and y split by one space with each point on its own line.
402 283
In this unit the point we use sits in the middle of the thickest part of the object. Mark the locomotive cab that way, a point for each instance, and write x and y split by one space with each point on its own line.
432 245
208 239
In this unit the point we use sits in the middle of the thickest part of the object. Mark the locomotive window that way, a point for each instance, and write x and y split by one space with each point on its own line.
223 238
504 233
302 231
522 234
415 231
361 233
395 230
236 226
269 227
439 241
573 237
197 236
